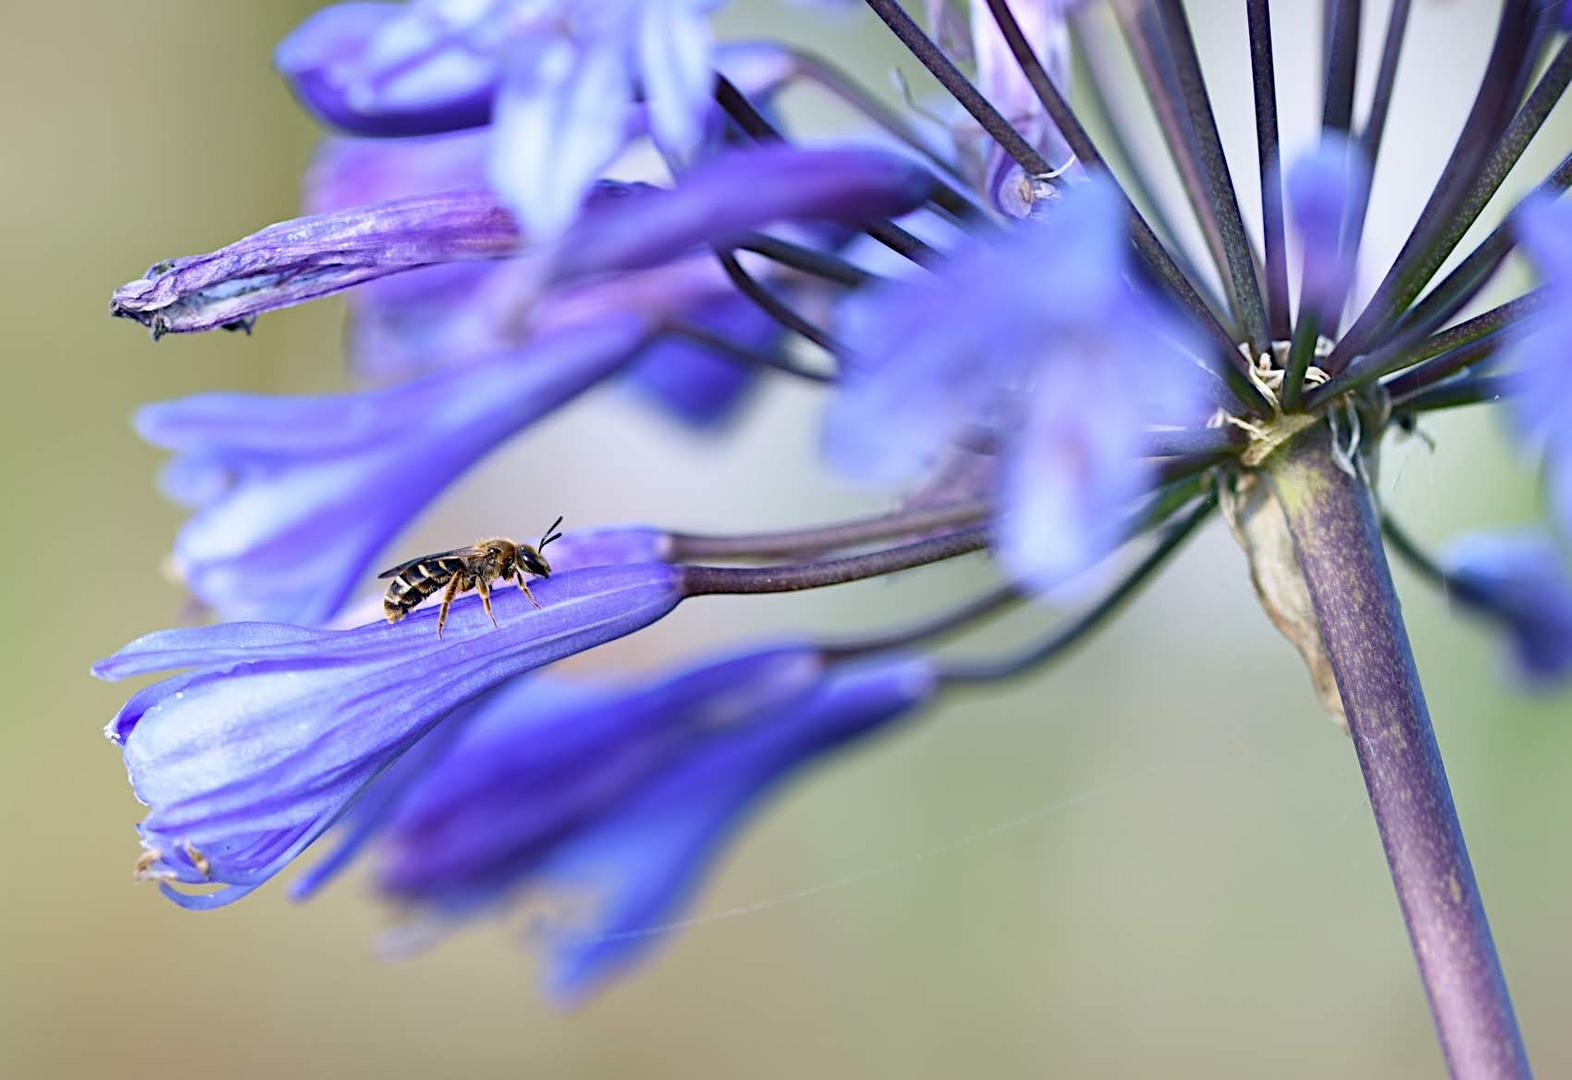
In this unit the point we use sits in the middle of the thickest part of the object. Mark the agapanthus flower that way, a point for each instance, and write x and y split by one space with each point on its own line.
1039 364
624 798
272 730
1522 581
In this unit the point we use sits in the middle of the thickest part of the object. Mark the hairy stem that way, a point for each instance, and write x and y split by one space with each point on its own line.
1337 540
820 264
1374 131
1464 390
1144 36
1342 61
841 85
1089 54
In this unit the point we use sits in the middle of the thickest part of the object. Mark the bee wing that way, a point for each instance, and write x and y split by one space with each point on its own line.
460 553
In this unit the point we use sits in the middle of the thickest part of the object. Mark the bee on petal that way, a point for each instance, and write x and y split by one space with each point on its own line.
462 569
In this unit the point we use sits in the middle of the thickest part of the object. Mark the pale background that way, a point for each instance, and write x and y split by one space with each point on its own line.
1155 860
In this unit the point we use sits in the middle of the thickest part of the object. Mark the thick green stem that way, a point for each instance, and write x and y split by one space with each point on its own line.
1337 540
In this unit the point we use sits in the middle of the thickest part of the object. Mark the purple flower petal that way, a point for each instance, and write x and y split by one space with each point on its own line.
918 377
562 116
391 69
1538 355
1522 582
621 227
610 547
718 202
556 79
1325 187
246 759
348 173
1000 79
693 383
1073 475
672 43
1058 360
645 860
535 695
300 260
316 487
523 778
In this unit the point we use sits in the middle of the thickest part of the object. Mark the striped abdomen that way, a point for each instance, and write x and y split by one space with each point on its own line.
416 582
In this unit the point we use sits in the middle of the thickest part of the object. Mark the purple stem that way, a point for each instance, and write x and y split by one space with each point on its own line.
1337 538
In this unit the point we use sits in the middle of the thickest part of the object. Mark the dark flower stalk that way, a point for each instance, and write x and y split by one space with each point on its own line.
1337 540
1263 70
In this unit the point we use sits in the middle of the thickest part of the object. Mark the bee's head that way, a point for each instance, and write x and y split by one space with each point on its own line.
531 559
533 562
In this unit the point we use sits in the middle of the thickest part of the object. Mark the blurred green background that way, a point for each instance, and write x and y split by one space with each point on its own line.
1154 860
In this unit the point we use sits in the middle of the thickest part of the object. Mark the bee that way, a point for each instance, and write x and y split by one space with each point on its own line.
463 569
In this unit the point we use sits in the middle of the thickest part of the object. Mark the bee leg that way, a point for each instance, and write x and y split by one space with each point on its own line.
519 577
447 601
483 587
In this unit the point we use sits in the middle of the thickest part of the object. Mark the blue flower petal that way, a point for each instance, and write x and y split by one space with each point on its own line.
1539 351
1325 187
562 116
689 380
526 773
645 861
672 44
306 258
1522 582
389 69
318 486
1059 360
249 757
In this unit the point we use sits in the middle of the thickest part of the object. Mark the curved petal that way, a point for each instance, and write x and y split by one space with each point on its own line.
390 69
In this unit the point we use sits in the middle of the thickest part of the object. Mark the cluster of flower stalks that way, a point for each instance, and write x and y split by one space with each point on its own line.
1016 348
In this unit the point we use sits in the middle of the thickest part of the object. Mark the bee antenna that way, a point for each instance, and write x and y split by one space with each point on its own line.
551 533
